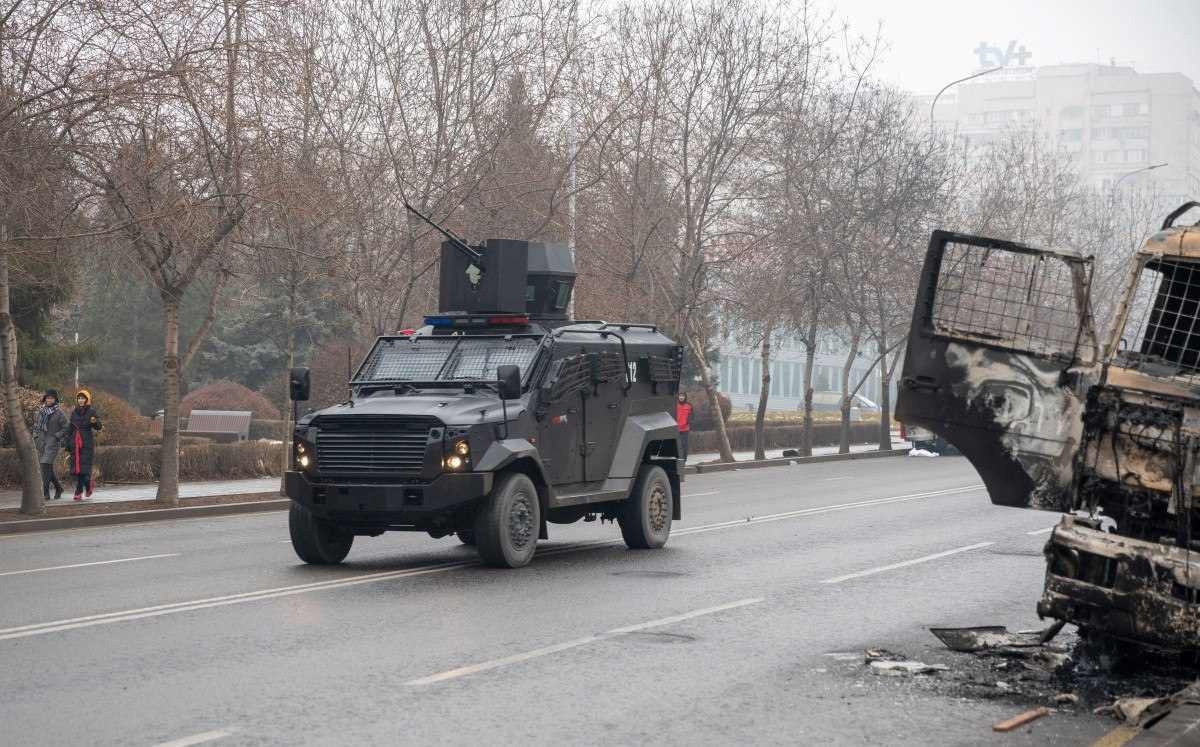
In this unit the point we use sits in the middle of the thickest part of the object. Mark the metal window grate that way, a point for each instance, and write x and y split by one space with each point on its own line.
1164 315
446 359
1009 299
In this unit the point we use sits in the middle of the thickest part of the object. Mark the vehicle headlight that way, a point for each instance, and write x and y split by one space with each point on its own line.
454 462
305 457
304 461
462 448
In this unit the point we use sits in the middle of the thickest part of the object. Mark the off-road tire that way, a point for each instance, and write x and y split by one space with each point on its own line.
507 523
645 516
316 541
466 536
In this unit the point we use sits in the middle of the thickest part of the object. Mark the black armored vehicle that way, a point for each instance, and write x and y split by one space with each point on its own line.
501 415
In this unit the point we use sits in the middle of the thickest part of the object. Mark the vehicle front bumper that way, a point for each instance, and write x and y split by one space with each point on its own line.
1123 587
385 504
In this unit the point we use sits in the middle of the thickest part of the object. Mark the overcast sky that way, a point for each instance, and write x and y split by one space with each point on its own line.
931 42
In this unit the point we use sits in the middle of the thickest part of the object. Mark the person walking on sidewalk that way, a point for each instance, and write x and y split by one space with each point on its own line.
683 417
81 442
49 435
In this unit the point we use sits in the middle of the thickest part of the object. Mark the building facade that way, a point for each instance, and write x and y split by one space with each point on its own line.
1116 121
739 374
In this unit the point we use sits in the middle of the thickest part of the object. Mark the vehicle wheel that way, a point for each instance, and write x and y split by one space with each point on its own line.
506 526
645 516
315 541
466 536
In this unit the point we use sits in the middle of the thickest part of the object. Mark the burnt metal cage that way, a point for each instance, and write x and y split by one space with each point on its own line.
1024 300
1164 318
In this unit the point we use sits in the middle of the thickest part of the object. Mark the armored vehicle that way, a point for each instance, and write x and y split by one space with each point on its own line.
498 417
1005 363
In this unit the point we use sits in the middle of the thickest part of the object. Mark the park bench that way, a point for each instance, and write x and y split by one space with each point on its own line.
219 425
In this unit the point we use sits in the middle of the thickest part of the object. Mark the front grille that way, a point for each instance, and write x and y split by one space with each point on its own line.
370 446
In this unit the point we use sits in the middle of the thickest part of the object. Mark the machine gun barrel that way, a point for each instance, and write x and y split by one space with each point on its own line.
473 254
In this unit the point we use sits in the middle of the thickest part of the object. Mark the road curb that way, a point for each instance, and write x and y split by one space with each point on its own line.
138 517
783 461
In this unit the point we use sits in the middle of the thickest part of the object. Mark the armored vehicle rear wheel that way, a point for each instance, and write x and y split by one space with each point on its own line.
315 541
466 536
645 516
506 527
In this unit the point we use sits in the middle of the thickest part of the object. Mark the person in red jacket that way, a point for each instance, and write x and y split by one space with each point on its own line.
683 417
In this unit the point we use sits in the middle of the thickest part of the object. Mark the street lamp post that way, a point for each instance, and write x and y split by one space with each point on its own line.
938 95
1123 177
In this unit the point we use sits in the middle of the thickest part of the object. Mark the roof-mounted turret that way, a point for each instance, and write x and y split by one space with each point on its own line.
509 280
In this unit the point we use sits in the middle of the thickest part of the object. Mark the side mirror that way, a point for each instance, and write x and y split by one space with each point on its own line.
510 382
299 384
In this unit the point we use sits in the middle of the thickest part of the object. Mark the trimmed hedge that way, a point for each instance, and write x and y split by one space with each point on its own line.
134 464
741 438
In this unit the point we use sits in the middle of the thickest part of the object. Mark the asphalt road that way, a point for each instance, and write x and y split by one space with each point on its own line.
211 631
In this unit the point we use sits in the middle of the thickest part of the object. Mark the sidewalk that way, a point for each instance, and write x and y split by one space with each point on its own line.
147 492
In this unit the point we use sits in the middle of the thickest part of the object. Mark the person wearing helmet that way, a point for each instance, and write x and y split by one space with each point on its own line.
81 442
50 434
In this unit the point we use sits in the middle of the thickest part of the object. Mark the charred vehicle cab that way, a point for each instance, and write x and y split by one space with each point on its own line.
497 418
1004 363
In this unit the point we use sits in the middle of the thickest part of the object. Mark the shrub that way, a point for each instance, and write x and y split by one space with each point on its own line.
741 438
134 464
123 424
31 400
702 417
228 395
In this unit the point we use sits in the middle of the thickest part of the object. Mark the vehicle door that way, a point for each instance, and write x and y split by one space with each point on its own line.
1000 354
560 412
603 411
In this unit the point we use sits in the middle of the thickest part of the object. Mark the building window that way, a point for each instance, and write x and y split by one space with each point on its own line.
1135 156
1071 136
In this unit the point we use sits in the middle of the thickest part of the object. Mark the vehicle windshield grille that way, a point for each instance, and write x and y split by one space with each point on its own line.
450 358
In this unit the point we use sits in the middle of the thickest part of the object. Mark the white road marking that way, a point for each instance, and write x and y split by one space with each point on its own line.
1047 530
85 565
106 618
906 563
201 738
484 666
697 495
831 479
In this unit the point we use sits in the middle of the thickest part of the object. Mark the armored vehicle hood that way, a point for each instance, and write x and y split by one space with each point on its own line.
451 407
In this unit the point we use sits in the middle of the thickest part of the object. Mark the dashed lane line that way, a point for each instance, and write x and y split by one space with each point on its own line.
1047 530
536 653
906 563
87 565
107 618
201 738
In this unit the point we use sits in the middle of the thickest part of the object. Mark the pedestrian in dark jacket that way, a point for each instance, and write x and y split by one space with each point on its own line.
81 442
50 434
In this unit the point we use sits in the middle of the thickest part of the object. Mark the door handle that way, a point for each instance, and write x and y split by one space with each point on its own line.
612 405
920 384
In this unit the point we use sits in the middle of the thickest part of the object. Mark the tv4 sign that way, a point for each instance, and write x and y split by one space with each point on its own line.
990 56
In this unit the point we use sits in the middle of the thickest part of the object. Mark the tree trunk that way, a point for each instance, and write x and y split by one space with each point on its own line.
885 397
810 360
714 403
168 477
847 394
760 451
31 472
288 425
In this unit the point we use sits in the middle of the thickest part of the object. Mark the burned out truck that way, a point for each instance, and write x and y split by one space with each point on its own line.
501 415
1004 362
